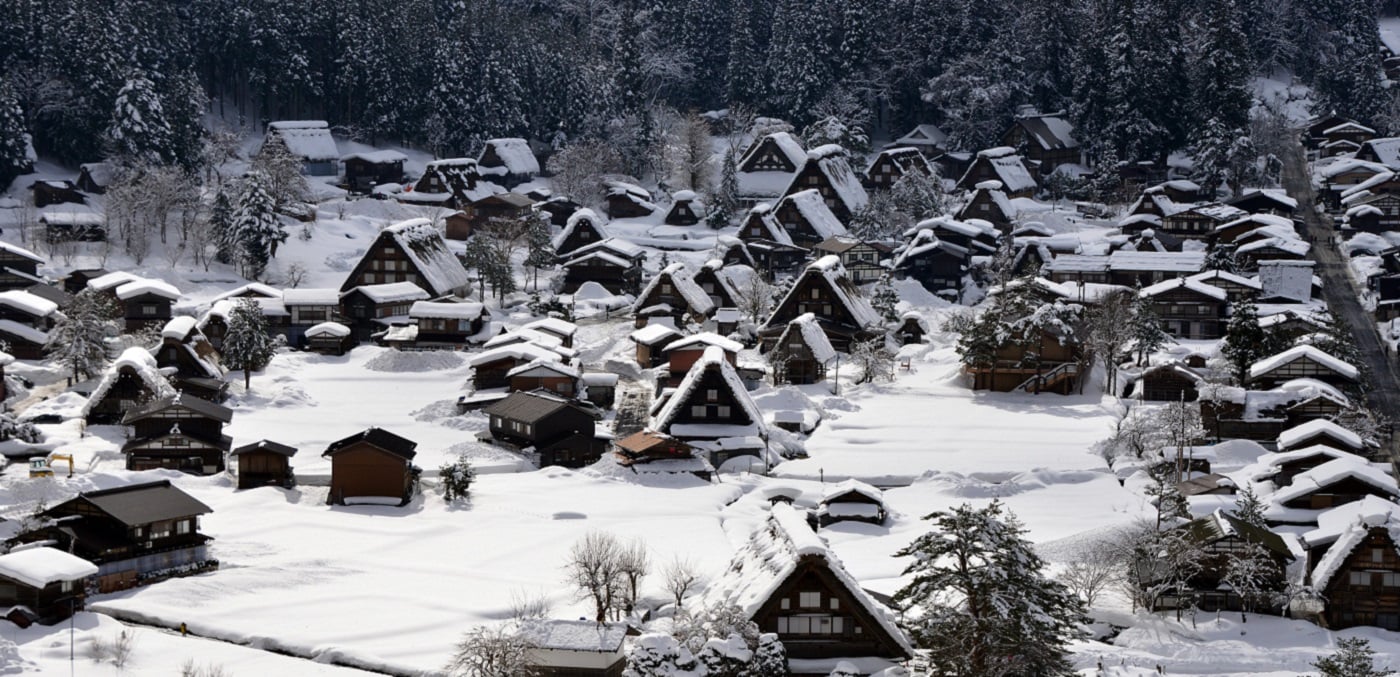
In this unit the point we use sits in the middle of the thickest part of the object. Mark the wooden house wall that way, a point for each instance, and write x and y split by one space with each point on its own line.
1168 386
127 393
51 603
809 631
708 280
192 424
811 176
362 176
1366 588
559 424
365 470
176 452
793 361
263 468
564 385
1302 367
146 309
615 279
493 374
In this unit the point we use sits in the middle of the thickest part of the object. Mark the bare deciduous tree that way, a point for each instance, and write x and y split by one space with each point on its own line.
1095 568
593 569
689 154
525 606
632 564
754 296
681 577
1110 331
578 169
496 651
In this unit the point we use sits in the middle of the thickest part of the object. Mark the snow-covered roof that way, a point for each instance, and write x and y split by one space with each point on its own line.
705 339
1050 132
812 335
111 280
1269 364
787 145
923 135
1009 169
1260 219
23 331
1187 283
159 288
653 334
378 157
810 204
1387 150
38 567
552 325
393 292
683 281
1278 195
446 310
772 555
179 327
1349 165
831 162
1176 262
327 296
520 352
71 218
1290 438
712 359
32 304
21 251
515 155
1349 126
141 363
853 486
425 247
253 289
335 329
1335 471
545 364
1284 244
1223 276
831 268
583 635
1345 527
618 247
309 139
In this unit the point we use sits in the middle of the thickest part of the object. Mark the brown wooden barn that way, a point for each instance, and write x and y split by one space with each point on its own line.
584 228
1169 382
989 203
686 209
501 206
364 171
329 338
146 302
549 375
553 427
509 162
1337 482
136 534
1056 367
265 463
195 362
48 583
1302 362
787 582
181 432
132 380
893 164
370 466
710 409
825 291
627 200
1000 164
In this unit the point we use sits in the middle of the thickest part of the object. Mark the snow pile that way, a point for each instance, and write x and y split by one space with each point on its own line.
400 361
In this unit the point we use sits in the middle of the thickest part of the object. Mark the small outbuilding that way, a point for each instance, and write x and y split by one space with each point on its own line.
264 463
46 582
372 466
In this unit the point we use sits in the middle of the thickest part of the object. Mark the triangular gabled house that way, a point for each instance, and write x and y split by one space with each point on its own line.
786 580
989 203
807 219
130 381
309 141
767 244
893 164
509 162
801 353
195 361
1354 565
711 410
830 174
935 263
928 139
411 251
1047 140
452 183
1000 164
372 466
825 291
720 281
765 170
614 263
672 294
686 209
583 228
181 432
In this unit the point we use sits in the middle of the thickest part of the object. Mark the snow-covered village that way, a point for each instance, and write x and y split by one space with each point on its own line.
687 338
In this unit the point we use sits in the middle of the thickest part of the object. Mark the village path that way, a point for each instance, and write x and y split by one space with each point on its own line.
1341 294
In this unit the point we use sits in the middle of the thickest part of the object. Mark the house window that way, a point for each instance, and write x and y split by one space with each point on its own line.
816 293
1359 578
1391 580
183 527
711 395
835 604
148 310
723 411
665 288
984 207
66 586
698 411
160 530
786 603
809 599
496 421
1377 555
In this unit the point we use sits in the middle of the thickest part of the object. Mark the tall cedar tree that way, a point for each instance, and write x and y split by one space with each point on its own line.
980 601
15 153
256 230
139 133
1245 341
247 345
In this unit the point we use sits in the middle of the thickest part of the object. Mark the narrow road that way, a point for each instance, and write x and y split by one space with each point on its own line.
1342 296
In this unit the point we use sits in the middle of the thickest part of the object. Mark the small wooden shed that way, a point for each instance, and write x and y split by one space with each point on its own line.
372 466
265 463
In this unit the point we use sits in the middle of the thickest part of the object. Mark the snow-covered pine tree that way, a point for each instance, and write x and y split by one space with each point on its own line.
139 133
78 340
885 301
256 228
456 478
1148 335
1354 658
743 75
539 246
979 601
247 345
1245 341
16 153
221 228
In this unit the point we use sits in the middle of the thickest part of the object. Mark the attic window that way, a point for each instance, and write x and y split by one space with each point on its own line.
1377 555
711 395
809 599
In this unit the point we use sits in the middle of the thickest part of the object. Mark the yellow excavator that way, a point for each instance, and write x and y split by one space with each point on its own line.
42 466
